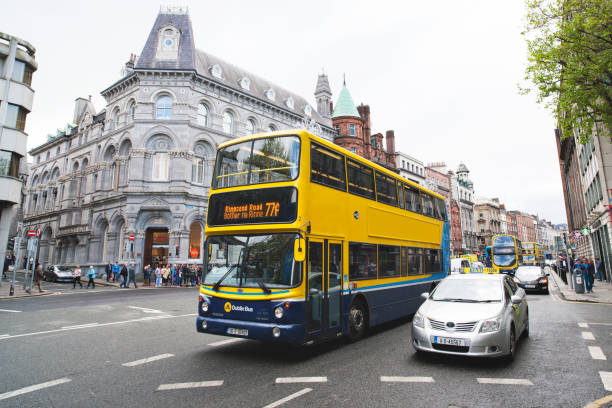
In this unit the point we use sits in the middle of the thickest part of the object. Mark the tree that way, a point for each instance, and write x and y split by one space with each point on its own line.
570 61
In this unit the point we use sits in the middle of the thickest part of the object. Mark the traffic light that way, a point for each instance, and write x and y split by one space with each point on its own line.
10 245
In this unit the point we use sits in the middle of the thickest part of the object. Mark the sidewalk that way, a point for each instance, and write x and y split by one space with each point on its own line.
602 291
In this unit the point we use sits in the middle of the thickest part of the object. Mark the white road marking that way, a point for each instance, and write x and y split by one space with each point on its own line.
180 386
147 360
224 342
288 398
32 388
603 324
80 326
504 381
10 311
407 379
4 335
145 309
606 379
583 325
596 353
142 319
293 380
588 336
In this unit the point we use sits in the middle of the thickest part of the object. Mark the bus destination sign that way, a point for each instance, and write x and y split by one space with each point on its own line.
269 205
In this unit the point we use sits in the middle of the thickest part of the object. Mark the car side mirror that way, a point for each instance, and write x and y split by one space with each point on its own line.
516 300
425 295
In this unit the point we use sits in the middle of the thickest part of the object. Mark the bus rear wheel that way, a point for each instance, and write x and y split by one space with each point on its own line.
358 320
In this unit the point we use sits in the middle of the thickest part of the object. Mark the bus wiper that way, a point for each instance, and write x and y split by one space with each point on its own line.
264 287
218 283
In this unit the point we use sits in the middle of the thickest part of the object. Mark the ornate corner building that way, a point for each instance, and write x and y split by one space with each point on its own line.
130 183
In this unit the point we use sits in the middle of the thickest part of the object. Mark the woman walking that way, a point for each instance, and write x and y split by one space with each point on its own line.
76 277
158 277
91 274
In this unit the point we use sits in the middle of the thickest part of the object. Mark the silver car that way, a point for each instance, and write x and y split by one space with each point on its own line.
474 315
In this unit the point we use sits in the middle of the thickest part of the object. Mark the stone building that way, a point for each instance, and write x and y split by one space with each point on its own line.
488 218
17 64
130 183
463 193
410 168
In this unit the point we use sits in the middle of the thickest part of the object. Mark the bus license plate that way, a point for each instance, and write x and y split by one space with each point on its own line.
237 332
449 341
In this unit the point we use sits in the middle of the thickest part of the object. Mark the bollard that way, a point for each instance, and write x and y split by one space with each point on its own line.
578 280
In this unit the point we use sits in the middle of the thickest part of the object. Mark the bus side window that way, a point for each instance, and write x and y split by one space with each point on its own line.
360 179
327 167
362 261
386 191
415 261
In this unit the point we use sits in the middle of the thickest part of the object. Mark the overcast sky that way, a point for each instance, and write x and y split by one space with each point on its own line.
442 74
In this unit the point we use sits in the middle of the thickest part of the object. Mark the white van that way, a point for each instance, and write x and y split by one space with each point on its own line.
458 265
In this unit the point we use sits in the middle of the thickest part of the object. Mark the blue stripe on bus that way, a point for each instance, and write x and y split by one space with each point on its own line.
246 294
402 283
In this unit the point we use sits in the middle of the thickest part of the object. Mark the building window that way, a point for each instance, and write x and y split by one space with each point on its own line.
163 109
353 150
116 118
228 122
202 115
195 240
9 163
272 128
160 166
132 111
352 129
57 151
197 171
15 116
22 72
250 126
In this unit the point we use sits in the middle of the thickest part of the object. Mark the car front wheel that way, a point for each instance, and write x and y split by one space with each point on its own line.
512 346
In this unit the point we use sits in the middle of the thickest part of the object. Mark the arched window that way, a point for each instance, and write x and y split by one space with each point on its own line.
228 122
272 128
116 118
195 240
250 126
163 107
198 166
202 115
132 111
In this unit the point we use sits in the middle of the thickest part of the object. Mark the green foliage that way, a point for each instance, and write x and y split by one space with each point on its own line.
570 61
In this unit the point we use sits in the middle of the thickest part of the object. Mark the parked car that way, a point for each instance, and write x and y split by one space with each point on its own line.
473 315
458 265
532 278
56 273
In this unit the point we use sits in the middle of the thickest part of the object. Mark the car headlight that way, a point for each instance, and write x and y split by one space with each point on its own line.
491 325
278 312
418 320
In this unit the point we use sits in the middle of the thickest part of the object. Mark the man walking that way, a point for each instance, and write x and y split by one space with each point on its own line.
38 276
124 275
132 276
109 270
116 269
91 274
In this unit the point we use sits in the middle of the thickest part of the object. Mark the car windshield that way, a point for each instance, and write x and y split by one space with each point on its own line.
64 269
258 161
523 273
255 261
468 290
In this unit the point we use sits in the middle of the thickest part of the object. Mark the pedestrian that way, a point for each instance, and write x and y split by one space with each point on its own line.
109 270
116 270
192 277
165 273
173 273
187 275
38 276
132 275
158 277
91 274
7 262
179 276
598 269
584 269
124 276
77 277
591 272
146 275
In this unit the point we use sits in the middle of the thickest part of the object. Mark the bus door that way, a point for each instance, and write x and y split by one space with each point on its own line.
324 297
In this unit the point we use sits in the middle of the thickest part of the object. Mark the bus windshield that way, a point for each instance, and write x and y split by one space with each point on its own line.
503 241
257 161
252 261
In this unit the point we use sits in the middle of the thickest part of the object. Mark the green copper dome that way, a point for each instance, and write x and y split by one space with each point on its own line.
345 105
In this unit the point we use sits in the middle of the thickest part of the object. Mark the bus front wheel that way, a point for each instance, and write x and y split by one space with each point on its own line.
358 320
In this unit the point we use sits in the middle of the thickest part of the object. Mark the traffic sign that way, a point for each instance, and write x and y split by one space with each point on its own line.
131 237
31 233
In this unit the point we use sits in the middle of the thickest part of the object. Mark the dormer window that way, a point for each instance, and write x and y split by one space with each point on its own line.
245 83
270 94
308 110
168 43
289 102
216 71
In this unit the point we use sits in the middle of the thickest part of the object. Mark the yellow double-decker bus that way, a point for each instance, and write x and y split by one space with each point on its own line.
306 241
532 254
506 252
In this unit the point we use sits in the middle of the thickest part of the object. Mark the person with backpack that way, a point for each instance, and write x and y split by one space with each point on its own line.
124 275
91 274
131 276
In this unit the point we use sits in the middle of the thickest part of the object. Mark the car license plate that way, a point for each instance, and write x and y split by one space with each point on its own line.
237 332
530 286
449 341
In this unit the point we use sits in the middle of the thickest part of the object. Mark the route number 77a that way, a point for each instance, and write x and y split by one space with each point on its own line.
272 209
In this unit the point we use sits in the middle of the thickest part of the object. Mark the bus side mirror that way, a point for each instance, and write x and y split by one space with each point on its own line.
299 250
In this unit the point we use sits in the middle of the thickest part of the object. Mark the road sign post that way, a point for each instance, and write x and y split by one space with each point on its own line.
35 249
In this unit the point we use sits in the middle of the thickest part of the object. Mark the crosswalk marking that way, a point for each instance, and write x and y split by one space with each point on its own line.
583 325
606 379
32 388
588 336
596 353
147 360
288 398
293 380
180 386
407 379
504 381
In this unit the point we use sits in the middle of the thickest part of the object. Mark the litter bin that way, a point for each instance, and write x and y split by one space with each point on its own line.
578 281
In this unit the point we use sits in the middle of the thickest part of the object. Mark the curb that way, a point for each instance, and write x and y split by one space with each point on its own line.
565 299
600 402
28 295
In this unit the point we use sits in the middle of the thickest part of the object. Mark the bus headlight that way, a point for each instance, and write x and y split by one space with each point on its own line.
276 332
278 312
205 306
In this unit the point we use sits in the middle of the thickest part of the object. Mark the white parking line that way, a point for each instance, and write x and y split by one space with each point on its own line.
145 309
596 353
588 336
32 388
4 335
180 386
147 360
293 380
288 398
602 324
407 379
80 326
606 379
583 325
504 381
10 311
224 342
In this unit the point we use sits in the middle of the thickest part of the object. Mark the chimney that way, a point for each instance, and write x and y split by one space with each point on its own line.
364 112
391 142
80 105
